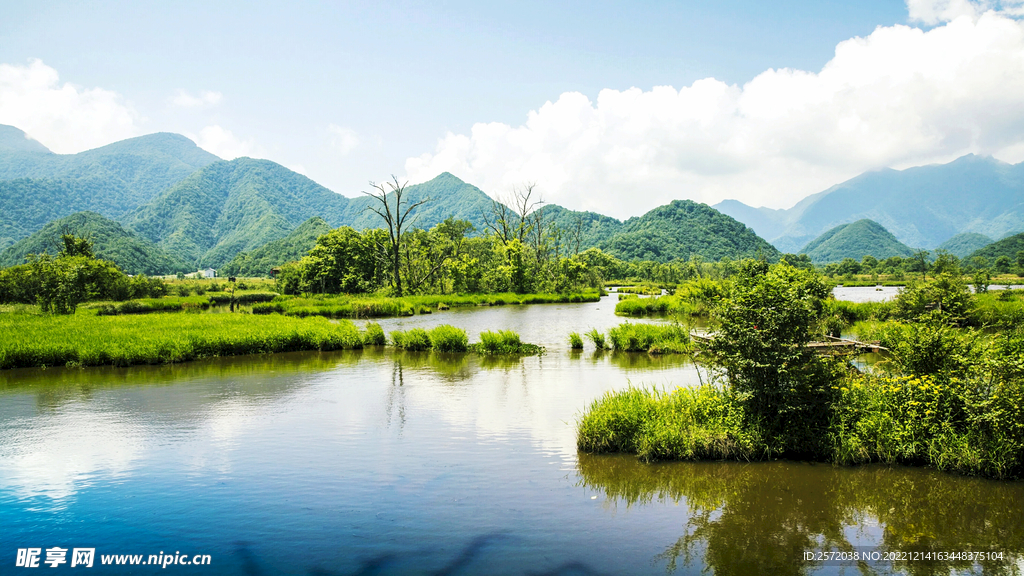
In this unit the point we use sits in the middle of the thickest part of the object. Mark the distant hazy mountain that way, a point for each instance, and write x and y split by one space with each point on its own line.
1006 247
292 247
131 252
204 212
682 229
964 244
922 206
37 186
856 240
14 140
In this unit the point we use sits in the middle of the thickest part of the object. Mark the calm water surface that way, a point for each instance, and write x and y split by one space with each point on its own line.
382 462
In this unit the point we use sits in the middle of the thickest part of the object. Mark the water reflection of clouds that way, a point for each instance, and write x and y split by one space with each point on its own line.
54 453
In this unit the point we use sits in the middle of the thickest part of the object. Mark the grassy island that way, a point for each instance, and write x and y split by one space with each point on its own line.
950 393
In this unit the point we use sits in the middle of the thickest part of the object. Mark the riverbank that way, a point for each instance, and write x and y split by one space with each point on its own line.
41 340
924 421
329 305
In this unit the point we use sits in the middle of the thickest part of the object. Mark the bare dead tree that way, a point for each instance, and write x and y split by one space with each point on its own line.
395 217
508 217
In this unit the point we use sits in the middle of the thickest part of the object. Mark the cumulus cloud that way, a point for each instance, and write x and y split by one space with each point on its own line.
64 117
898 97
205 98
343 140
222 142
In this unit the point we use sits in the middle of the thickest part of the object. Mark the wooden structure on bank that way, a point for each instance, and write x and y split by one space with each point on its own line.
830 346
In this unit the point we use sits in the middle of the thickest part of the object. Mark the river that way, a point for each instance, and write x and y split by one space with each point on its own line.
384 462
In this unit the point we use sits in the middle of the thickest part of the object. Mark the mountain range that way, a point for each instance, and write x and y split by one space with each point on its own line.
922 206
163 195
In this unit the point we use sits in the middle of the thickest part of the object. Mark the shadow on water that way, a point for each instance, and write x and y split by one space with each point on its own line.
761 518
469 560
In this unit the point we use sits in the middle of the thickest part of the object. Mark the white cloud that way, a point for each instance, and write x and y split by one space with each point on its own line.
936 11
64 117
221 142
901 96
204 99
343 140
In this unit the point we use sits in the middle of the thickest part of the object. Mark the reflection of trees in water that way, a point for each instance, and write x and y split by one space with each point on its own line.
468 560
760 518
396 394
259 376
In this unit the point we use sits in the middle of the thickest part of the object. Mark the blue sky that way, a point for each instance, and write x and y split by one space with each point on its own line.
351 92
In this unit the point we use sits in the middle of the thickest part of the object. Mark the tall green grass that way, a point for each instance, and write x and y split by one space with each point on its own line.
416 339
963 425
158 338
597 338
685 424
373 335
575 341
653 338
445 338
503 342
379 307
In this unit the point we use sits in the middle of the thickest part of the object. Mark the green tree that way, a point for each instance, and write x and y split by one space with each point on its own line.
341 261
765 323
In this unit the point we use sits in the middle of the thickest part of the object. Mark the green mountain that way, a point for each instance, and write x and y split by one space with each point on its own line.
1008 247
856 240
292 247
964 244
231 207
132 253
240 205
594 228
37 186
683 229
921 206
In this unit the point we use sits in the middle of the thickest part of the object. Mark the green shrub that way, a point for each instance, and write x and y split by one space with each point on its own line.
414 339
445 338
374 335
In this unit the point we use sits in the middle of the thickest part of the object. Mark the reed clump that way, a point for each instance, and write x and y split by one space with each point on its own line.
575 341
373 335
415 339
651 338
503 342
445 338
